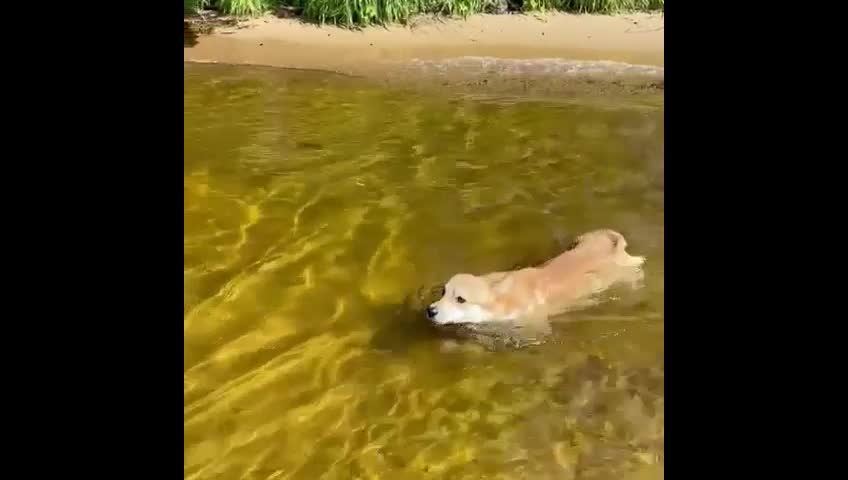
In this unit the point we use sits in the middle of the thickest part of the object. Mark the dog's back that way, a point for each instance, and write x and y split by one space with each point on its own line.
597 260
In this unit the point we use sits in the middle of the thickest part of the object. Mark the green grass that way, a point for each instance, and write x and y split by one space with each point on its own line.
246 8
239 8
595 6
190 6
352 13
356 13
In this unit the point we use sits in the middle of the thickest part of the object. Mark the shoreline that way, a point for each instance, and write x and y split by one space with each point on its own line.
553 53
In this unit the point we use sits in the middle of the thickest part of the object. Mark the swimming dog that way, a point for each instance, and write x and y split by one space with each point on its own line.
596 261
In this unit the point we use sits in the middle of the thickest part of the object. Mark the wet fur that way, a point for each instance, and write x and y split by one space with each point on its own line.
528 297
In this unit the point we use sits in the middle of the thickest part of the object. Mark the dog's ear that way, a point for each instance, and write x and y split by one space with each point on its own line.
501 284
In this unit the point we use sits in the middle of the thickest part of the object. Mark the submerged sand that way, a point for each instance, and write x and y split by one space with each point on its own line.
547 53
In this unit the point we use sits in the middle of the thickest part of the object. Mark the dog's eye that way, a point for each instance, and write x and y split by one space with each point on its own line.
442 294
460 299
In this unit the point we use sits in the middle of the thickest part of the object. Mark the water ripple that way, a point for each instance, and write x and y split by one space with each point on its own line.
316 208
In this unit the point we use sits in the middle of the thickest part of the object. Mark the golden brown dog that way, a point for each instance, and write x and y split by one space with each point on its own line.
596 262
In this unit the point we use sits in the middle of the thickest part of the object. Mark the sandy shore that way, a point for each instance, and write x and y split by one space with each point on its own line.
482 51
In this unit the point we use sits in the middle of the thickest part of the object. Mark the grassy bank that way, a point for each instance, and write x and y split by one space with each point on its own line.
353 13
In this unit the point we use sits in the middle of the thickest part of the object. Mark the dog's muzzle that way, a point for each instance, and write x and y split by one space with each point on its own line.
431 312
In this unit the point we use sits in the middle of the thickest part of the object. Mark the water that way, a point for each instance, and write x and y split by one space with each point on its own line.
319 212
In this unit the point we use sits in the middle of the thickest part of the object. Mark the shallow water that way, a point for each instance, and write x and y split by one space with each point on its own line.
319 212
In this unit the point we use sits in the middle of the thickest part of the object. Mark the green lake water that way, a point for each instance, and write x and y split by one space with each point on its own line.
321 211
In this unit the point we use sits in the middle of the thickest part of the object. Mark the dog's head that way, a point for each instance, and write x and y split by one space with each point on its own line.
465 299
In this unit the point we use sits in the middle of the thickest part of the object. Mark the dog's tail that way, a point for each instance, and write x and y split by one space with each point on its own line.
632 260
619 245
610 239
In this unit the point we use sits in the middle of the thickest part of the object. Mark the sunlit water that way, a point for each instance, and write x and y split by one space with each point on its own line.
321 210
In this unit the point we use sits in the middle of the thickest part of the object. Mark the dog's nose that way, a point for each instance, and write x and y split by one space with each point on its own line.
431 311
